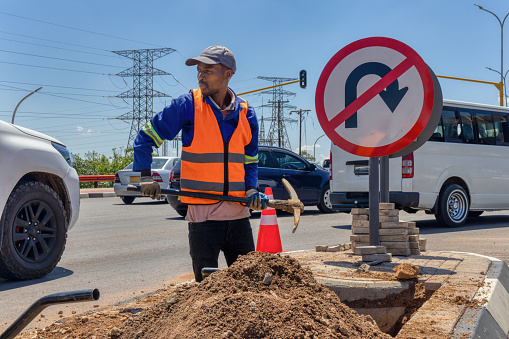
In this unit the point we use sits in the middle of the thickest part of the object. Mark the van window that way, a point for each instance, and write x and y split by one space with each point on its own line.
467 129
452 128
485 128
501 129
438 134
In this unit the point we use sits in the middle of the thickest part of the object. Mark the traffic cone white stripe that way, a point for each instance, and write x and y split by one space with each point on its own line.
268 219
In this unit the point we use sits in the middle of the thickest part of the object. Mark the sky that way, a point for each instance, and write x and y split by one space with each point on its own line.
66 47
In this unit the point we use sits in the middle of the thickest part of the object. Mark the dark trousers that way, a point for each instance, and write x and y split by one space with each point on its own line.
207 239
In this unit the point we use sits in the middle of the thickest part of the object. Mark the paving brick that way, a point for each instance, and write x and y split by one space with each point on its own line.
356 244
399 251
392 231
413 237
376 257
361 211
360 217
413 231
335 248
415 251
411 224
413 244
386 206
400 224
321 248
395 244
390 213
394 238
360 223
361 250
384 218
359 238
360 230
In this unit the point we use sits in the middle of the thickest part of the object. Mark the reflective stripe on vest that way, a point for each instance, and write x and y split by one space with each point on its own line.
209 164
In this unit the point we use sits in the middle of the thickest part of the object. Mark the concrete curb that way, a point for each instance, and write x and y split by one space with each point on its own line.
97 195
492 319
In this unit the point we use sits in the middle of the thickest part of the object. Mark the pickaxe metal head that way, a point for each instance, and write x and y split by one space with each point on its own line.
293 205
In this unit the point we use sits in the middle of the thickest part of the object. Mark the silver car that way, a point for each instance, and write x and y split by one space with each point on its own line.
39 201
161 168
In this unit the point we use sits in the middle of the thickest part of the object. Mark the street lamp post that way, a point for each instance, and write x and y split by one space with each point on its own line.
505 86
314 146
501 22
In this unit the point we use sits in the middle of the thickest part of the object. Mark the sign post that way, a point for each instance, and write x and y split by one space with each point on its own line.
374 98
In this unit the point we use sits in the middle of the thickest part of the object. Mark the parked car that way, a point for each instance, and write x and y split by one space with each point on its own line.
39 200
274 163
161 167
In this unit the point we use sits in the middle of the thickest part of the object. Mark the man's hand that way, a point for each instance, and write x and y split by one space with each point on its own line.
149 188
257 201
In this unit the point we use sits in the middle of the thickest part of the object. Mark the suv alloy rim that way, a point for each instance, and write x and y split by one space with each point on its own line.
34 231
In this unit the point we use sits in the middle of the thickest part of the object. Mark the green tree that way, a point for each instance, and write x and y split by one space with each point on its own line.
93 163
306 155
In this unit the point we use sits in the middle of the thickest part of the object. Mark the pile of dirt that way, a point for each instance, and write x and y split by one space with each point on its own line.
259 296
406 271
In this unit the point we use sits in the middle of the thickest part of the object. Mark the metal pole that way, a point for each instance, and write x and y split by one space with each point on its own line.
314 146
501 22
374 201
384 179
300 132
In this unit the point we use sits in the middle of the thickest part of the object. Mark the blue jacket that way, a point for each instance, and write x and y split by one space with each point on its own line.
179 115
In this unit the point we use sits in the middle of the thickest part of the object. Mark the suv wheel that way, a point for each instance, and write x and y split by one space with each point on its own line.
453 206
325 205
33 228
127 199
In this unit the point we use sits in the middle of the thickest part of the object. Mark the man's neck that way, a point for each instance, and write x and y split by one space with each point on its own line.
222 98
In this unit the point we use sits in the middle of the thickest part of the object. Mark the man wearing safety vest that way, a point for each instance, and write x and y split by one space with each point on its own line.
219 156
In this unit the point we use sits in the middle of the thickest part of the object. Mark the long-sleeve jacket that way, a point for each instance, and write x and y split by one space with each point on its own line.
179 115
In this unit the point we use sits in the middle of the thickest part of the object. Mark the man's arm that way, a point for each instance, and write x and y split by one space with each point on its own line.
251 151
164 125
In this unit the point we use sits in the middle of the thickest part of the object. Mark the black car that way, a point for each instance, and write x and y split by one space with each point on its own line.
274 163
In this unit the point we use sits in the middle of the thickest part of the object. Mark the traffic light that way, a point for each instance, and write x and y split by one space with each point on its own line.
303 79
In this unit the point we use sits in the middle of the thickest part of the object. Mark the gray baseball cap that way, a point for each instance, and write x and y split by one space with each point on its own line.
215 55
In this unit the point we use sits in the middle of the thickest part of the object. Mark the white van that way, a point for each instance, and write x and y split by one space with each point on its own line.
461 171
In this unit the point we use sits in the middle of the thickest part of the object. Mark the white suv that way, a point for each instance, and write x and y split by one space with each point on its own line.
39 201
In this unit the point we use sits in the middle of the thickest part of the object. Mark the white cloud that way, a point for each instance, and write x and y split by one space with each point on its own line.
82 131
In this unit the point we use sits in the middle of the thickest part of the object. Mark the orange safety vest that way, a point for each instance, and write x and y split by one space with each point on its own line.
210 164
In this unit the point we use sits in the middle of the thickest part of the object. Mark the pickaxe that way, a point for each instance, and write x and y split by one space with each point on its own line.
292 205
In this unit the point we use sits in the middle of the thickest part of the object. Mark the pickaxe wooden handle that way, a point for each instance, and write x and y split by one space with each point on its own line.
292 205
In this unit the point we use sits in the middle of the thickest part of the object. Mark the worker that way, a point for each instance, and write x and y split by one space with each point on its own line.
219 156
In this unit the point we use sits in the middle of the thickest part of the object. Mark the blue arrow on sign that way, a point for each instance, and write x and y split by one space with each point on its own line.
391 95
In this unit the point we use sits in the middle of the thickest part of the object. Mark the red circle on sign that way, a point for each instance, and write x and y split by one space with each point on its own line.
417 128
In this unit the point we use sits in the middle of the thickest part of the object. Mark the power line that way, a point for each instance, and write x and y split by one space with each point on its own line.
79 94
45 85
59 96
61 59
77 29
58 42
61 48
56 68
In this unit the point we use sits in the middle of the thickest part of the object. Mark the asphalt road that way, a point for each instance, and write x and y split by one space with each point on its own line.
129 250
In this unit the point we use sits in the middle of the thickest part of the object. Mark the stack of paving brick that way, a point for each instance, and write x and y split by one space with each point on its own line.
399 237
373 253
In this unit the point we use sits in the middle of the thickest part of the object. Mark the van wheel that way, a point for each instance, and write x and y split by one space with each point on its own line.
127 199
452 206
325 205
33 228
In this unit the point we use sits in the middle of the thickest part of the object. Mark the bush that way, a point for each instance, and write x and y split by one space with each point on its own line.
94 163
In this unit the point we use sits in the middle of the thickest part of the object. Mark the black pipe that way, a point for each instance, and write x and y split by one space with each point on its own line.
205 272
52 299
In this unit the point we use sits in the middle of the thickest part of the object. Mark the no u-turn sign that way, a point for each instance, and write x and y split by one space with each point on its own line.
375 97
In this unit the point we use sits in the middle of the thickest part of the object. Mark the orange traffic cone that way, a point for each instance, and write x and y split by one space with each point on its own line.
269 240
